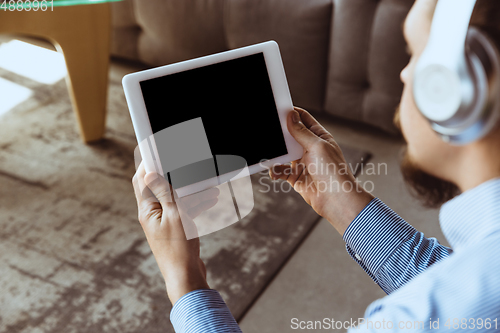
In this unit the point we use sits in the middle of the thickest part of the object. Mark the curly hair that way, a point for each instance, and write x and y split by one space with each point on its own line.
486 17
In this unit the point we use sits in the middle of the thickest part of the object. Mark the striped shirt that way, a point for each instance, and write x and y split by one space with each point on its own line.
202 310
430 287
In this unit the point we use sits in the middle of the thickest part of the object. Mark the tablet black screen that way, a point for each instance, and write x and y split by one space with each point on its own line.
235 101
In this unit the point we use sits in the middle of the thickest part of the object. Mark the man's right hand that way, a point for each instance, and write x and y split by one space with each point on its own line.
322 176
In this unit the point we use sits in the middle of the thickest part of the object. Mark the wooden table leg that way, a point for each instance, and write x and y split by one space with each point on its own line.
82 34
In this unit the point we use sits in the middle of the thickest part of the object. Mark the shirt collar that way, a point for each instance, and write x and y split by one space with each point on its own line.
473 215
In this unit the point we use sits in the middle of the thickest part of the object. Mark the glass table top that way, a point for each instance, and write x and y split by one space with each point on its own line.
79 2
44 5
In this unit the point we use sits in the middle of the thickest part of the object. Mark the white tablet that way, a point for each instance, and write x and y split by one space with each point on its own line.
233 103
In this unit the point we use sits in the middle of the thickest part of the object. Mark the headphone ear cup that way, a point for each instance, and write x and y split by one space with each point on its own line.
481 47
483 57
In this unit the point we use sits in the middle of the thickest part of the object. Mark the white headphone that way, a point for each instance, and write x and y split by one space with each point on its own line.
457 78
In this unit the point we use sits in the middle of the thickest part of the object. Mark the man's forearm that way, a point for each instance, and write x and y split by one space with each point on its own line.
389 249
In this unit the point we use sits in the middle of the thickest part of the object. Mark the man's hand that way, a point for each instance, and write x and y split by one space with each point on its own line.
322 175
178 258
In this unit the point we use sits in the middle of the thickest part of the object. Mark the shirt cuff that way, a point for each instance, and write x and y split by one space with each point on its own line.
375 234
202 310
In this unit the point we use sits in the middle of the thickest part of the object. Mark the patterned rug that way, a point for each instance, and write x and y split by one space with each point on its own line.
73 257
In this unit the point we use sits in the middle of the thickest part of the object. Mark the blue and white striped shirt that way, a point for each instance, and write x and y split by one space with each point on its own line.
429 286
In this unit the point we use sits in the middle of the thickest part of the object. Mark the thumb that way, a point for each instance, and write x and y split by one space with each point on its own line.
299 131
160 187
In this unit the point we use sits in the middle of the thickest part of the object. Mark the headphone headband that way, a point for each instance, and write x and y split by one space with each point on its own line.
448 32
457 77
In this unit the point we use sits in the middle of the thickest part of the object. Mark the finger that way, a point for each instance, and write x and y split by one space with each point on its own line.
299 131
306 117
186 228
313 125
143 189
144 197
140 189
203 206
137 190
280 172
197 198
137 157
302 186
161 189
139 176
289 173
297 171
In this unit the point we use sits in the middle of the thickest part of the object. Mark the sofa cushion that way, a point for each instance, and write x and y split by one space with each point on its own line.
159 32
340 56
125 33
367 53
301 28
174 30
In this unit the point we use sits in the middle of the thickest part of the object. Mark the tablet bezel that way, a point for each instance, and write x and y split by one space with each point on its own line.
282 98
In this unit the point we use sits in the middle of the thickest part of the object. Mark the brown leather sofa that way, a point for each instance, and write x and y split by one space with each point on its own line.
342 57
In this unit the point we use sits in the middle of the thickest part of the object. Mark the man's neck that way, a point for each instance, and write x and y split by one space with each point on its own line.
480 163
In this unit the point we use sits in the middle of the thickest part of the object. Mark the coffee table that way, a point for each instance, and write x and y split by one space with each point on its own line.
80 30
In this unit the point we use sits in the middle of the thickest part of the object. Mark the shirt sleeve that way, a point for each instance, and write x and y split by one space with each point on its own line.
390 250
202 310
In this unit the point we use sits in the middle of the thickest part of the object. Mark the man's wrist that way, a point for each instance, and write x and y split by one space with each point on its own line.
176 290
342 208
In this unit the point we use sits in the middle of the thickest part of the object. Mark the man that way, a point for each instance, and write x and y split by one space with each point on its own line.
424 280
